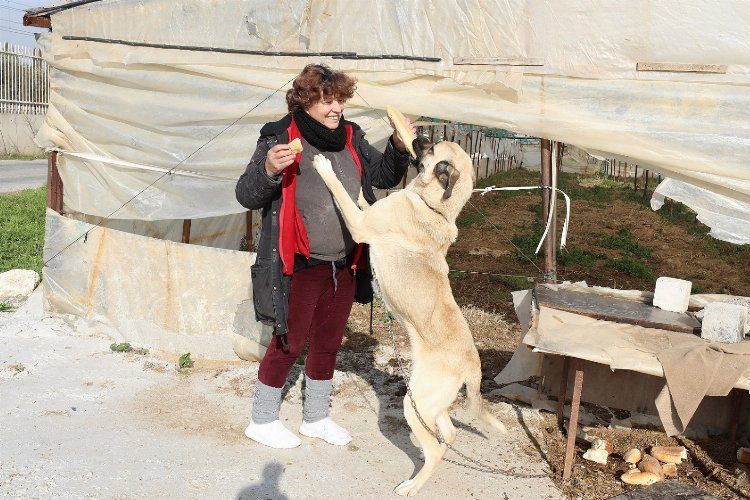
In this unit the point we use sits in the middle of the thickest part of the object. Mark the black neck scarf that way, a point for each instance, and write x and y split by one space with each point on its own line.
317 134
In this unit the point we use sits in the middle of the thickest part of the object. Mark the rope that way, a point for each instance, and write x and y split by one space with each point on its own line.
168 172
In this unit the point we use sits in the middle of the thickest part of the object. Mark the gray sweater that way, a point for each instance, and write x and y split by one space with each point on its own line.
329 239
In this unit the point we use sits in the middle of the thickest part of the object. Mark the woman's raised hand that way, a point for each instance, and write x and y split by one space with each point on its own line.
279 158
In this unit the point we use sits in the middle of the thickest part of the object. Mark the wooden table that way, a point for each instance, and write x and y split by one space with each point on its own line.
609 309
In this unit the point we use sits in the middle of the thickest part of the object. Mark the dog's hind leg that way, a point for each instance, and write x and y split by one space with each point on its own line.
432 449
476 404
446 427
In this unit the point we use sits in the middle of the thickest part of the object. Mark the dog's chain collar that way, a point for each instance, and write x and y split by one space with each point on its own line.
477 465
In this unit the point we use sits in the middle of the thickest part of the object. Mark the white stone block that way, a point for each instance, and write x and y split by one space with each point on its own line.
16 285
672 294
724 322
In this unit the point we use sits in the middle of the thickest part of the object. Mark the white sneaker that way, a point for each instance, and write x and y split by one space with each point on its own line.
273 434
327 430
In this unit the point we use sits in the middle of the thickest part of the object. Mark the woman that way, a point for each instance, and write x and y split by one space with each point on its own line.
304 273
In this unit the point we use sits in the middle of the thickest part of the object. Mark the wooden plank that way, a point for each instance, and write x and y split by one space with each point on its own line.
186 230
498 61
615 309
575 405
681 67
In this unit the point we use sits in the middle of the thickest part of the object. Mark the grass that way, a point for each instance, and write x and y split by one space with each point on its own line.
526 243
22 229
477 217
625 241
19 156
577 256
632 267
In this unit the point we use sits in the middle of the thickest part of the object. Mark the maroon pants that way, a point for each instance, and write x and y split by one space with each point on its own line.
315 313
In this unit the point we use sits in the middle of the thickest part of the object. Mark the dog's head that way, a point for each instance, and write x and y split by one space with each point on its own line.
446 174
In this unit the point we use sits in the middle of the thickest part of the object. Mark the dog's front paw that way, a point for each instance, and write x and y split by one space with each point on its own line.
408 488
323 166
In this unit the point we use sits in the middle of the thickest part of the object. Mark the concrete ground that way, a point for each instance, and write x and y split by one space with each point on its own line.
17 175
81 421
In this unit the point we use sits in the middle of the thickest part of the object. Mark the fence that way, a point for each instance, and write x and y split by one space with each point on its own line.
24 87
489 154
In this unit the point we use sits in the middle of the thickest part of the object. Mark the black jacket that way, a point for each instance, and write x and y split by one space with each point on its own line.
256 190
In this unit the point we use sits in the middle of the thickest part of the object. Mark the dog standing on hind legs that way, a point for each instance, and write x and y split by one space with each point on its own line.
409 233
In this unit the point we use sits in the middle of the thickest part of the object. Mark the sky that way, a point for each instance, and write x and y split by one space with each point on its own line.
11 21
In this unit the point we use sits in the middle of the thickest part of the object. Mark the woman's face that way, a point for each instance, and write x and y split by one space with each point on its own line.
327 111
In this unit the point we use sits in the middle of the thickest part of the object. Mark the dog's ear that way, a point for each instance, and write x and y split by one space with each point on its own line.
447 175
421 146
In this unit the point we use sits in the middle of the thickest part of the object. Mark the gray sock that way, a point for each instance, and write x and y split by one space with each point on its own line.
317 399
266 403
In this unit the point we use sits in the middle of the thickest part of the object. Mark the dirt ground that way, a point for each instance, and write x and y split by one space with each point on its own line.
80 421
489 224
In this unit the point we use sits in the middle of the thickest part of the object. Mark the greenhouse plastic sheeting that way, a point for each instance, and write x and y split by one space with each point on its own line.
217 232
158 294
177 108
728 219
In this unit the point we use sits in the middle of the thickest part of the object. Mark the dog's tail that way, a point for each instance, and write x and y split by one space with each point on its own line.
476 404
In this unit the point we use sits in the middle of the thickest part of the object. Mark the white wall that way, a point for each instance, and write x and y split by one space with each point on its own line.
17 133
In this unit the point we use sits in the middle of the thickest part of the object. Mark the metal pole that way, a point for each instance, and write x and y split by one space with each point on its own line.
550 267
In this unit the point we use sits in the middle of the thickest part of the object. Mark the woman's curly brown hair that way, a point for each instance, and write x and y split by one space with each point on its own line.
316 81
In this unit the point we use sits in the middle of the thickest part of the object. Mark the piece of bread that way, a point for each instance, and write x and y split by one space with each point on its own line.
404 131
669 470
633 456
652 465
634 476
296 145
599 456
669 454
743 455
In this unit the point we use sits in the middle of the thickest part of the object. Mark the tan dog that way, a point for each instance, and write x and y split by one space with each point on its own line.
409 233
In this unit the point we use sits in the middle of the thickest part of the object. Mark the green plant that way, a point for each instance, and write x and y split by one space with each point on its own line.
5 307
632 267
577 256
473 217
526 243
121 347
185 361
515 283
454 275
624 240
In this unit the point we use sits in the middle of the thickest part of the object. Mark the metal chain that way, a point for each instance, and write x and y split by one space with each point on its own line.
478 465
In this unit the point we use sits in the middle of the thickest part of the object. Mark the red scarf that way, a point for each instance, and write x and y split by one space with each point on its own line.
292 233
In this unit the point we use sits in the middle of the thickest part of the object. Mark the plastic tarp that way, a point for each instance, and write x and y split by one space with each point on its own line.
729 219
159 294
196 111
